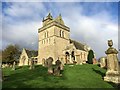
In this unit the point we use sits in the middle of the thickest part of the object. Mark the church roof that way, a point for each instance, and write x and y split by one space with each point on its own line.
31 53
78 45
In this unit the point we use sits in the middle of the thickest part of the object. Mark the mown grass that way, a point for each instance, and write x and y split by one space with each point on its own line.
77 76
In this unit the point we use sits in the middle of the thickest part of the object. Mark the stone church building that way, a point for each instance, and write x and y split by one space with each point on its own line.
55 42
26 56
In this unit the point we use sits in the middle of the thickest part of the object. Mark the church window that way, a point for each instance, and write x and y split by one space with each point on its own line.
43 42
46 34
48 40
81 55
84 55
62 33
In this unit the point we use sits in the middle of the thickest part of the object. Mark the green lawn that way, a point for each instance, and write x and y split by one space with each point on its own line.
77 76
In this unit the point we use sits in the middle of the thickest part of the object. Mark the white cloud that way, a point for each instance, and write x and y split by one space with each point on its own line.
94 30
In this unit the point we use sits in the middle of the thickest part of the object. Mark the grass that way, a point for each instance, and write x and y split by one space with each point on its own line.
77 76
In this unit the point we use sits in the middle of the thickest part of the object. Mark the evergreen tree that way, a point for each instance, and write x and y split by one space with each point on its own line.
90 56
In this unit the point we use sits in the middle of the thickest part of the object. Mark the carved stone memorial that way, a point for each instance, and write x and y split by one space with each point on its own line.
113 70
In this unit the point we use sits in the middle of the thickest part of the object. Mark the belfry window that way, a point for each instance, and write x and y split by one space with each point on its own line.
46 34
62 33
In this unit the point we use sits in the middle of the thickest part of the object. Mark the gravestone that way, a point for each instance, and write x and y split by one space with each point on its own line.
113 70
62 64
49 65
43 62
31 64
103 62
58 68
13 68
94 61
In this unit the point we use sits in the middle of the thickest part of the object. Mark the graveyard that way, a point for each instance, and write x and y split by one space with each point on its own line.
73 76
70 54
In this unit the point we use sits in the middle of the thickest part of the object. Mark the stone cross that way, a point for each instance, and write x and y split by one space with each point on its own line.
113 70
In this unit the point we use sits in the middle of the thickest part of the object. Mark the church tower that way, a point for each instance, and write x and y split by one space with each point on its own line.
53 38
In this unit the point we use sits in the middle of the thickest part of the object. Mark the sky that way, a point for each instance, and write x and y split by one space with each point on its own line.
92 23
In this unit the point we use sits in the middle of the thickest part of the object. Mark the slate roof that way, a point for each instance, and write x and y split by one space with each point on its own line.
78 45
31 53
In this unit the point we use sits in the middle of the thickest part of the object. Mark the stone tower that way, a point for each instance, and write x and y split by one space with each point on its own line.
53 38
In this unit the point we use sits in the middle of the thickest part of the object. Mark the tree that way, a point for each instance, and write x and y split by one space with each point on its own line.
90 56
10 53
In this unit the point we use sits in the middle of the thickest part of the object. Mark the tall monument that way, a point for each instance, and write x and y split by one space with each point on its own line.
113 69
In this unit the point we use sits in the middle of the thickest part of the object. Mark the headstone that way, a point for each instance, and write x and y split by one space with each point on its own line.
13 68
31 64
57 68
43 62
113 70
94 61
62 64
49 65
103 62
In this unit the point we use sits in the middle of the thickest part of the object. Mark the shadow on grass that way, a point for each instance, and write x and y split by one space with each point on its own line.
25 77
103 74
117 86
19 79
99 72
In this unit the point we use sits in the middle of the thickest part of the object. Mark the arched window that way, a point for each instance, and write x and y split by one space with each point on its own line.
81 55
43 42
46 34
62 33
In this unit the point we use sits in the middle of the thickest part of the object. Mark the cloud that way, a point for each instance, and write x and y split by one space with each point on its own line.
22 20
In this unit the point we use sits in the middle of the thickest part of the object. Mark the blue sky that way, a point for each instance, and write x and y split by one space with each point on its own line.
89 22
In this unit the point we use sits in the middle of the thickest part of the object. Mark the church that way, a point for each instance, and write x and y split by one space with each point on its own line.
54 41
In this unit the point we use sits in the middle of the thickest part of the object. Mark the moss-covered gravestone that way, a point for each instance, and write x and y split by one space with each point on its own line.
49 65
113 70
31 64
58 68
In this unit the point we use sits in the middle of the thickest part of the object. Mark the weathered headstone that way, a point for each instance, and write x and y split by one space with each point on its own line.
113 70
31 64
49 65
94 61
13 68
43 62
58 68
103 62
